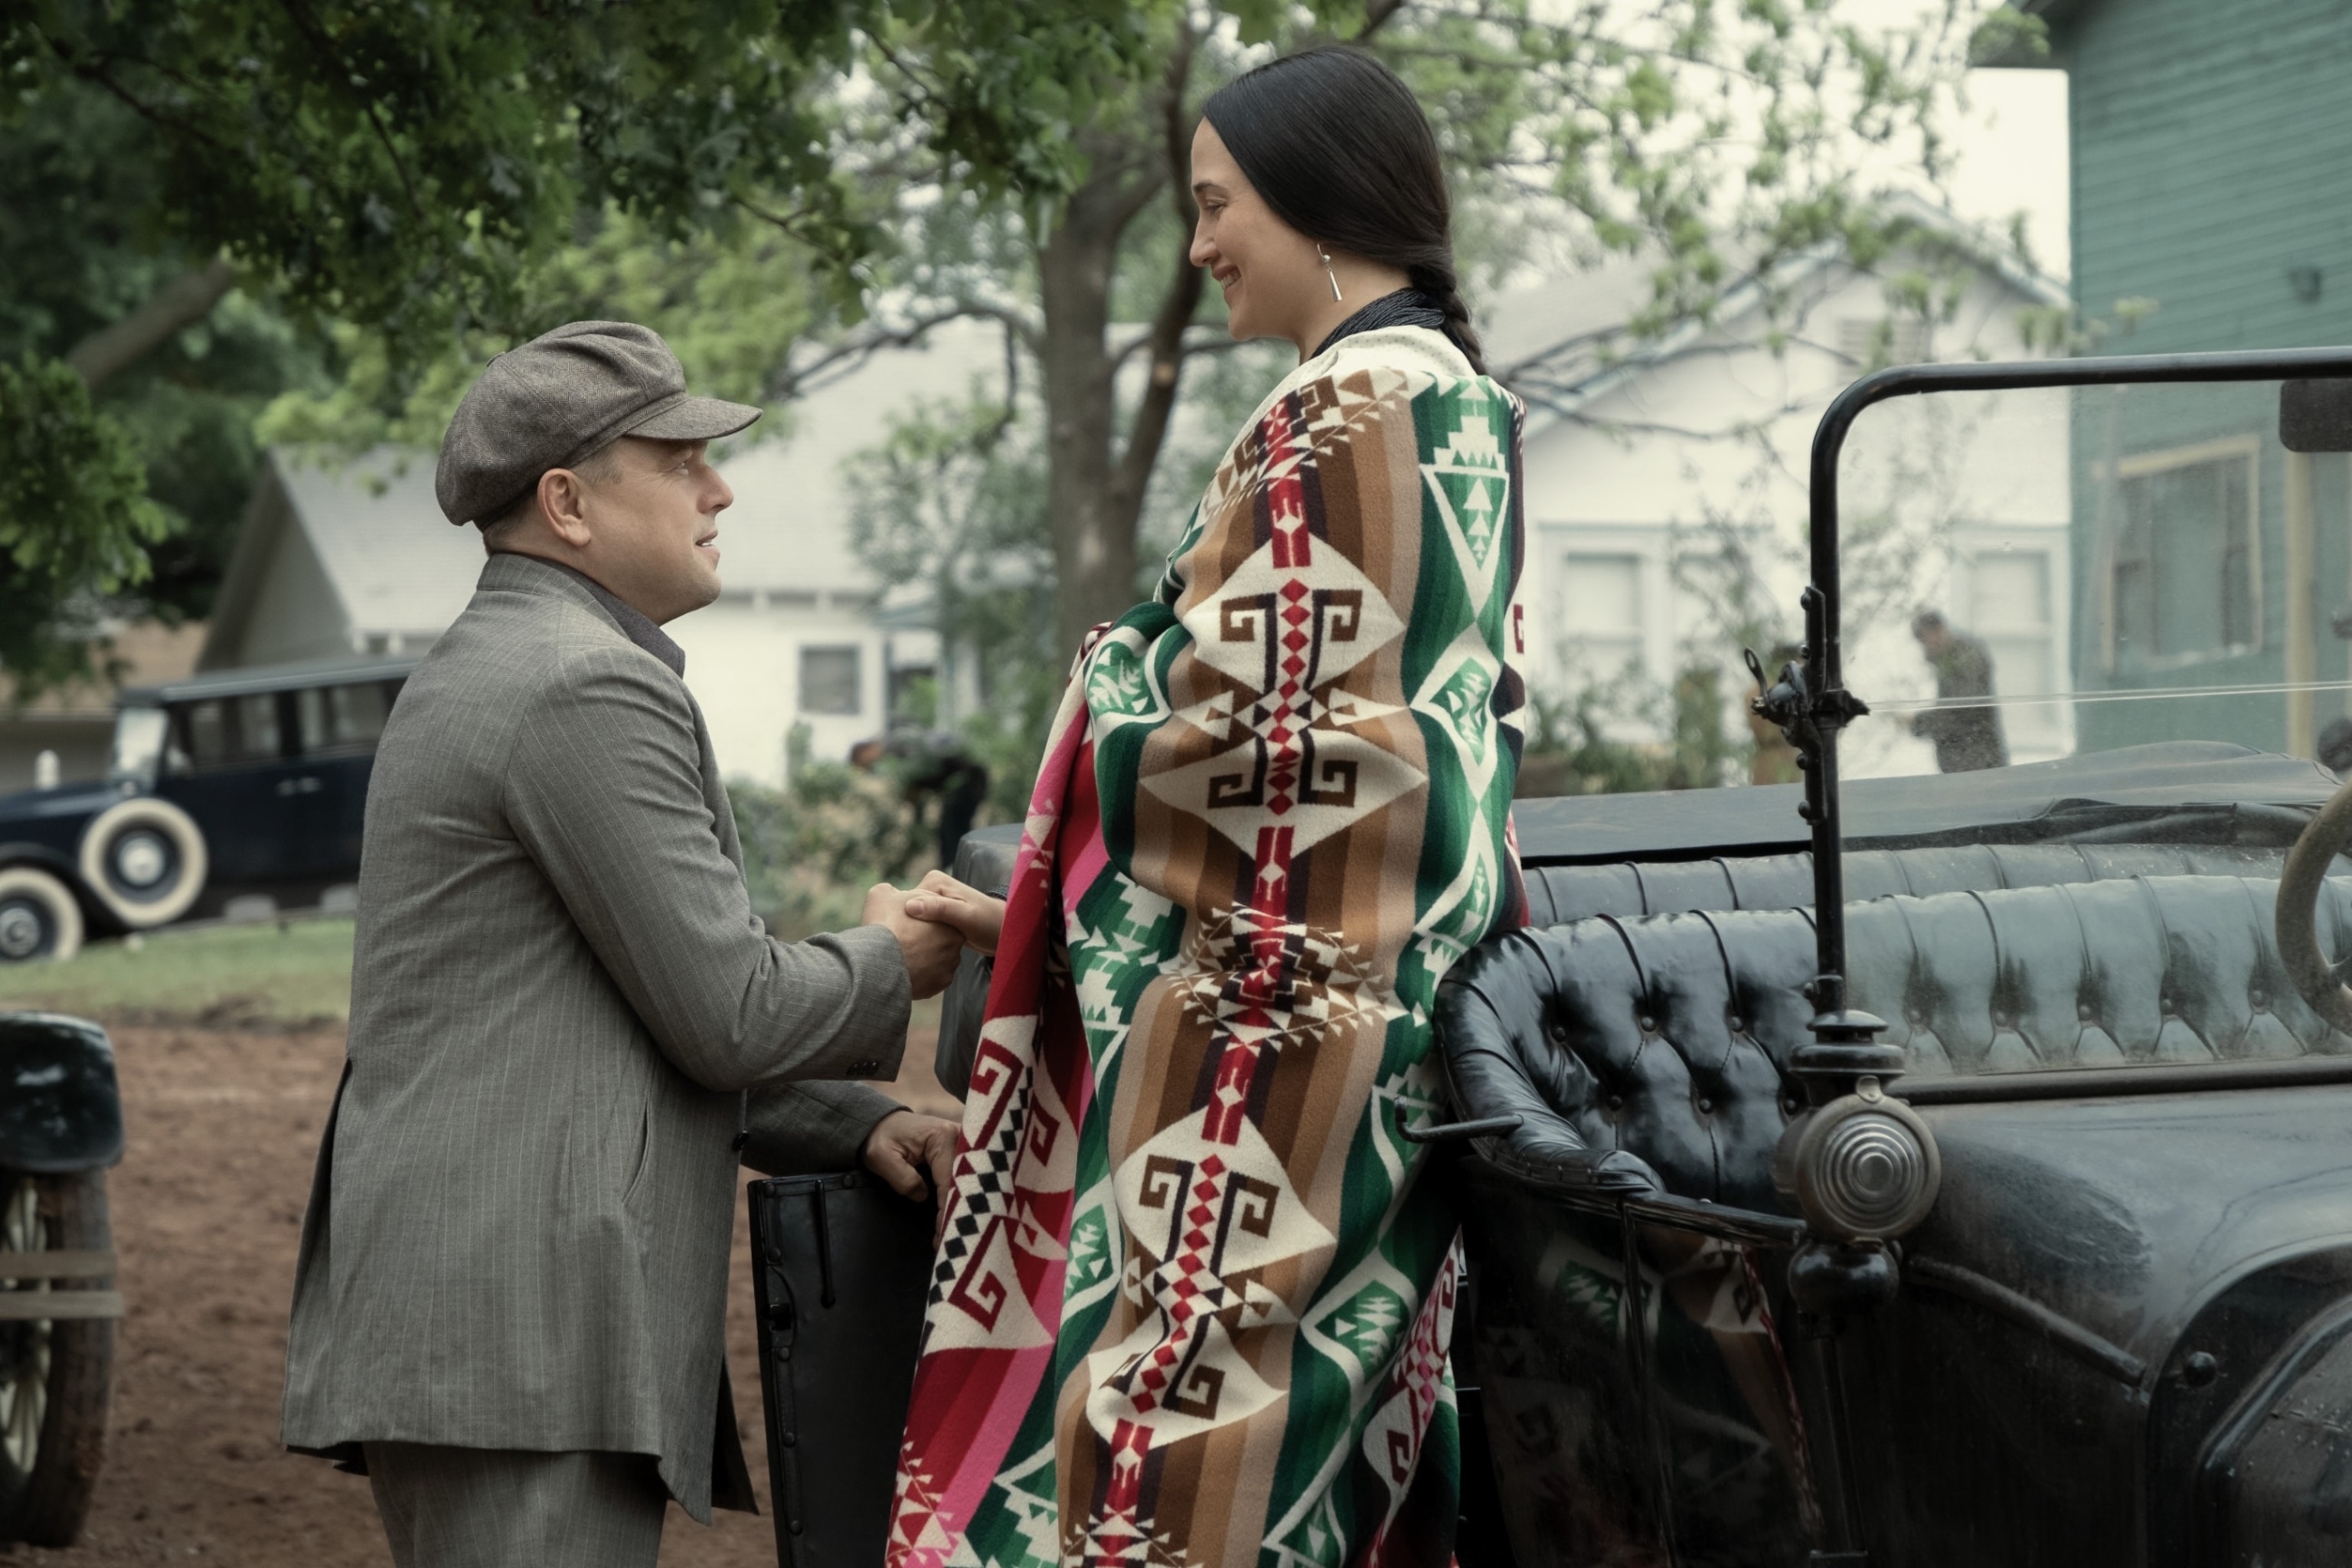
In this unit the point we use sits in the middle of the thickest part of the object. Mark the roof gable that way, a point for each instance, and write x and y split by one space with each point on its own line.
1565 344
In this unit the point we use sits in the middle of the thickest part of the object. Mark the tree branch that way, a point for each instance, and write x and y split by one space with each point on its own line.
1177 307
306 23
183 302
1376 16
799 380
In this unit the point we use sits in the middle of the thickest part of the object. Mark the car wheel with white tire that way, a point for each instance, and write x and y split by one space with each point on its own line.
144 859
39 916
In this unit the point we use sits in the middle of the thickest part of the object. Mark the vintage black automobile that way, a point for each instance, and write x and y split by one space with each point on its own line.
60 1128
235 784
1947 1169
1968 1181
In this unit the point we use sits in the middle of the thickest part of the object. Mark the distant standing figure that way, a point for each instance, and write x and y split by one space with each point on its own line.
1966 738
928 762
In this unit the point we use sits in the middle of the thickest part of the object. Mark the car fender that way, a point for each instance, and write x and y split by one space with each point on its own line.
60 1109
63 868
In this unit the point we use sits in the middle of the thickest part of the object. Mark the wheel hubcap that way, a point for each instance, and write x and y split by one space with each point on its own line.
140 860
24 1364
23 932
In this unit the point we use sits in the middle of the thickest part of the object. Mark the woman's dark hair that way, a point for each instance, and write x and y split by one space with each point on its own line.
1341 152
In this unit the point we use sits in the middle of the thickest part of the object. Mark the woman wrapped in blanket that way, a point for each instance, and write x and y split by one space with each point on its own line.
1192 1303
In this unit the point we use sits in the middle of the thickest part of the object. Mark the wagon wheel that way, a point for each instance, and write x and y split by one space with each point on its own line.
2315 974
56 1375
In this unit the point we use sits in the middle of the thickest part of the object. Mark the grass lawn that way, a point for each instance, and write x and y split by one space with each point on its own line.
236 975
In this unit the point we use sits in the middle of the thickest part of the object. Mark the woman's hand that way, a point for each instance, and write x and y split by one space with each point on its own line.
941 898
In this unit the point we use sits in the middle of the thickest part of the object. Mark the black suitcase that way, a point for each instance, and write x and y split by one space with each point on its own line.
843 1266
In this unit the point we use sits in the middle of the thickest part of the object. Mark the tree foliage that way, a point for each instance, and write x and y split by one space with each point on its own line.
58 459
418 182
1711 140
410 180
81 261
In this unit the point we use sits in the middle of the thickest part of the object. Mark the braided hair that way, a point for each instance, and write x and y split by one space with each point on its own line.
1340 150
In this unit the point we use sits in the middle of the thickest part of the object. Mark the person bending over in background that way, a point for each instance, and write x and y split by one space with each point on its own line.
929 764
1194 1297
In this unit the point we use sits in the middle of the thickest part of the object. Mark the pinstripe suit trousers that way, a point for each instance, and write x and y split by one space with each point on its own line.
508 1508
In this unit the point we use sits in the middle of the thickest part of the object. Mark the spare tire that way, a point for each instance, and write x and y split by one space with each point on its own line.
144 859
39 916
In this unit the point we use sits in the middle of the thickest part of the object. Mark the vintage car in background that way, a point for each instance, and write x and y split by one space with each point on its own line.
1945 1170
238 783
60 1128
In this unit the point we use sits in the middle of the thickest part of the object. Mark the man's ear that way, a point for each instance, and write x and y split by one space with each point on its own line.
563 507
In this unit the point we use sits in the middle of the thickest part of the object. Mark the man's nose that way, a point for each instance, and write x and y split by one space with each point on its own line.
721 495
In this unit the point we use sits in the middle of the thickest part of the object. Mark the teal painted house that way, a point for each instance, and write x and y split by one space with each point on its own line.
2212 172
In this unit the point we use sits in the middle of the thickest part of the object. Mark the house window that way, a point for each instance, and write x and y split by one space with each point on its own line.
2184 581
829 680
1601 617
2010 605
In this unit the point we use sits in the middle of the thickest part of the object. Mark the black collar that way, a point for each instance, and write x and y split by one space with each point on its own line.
1405 308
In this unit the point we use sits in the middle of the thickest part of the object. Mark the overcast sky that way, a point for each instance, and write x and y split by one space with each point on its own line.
2011 155
2011 150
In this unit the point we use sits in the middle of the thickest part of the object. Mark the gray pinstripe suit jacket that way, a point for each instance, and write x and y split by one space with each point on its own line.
519 1229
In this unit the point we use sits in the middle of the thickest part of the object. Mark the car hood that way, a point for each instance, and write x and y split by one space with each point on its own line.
86 799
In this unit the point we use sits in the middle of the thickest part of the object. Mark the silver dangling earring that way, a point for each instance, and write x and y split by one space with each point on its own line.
1325 256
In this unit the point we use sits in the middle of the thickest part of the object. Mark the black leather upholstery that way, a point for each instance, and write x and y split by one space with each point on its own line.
1560 893
1655 1047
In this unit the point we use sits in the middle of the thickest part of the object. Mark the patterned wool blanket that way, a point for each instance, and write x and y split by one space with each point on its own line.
1193 1306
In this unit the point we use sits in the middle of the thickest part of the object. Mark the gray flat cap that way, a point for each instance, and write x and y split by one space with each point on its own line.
560 399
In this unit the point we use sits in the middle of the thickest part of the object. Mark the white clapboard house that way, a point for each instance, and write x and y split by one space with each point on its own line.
337 559
1643 455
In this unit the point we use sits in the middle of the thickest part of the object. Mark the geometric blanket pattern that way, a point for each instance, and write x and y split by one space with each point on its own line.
1192 1307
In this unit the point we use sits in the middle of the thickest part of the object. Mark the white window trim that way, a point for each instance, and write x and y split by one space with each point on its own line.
1975 542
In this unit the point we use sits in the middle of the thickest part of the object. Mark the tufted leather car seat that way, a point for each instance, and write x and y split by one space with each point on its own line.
1652 1050
1559 893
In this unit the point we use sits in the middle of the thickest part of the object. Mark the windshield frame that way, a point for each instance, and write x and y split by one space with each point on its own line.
1811 701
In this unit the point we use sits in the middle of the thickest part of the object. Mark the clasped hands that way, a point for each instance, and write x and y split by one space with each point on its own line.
934 922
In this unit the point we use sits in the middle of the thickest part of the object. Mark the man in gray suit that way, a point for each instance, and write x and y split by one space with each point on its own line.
511 1296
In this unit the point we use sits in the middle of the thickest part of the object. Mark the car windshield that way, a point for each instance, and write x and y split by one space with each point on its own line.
2045 573
139 737
2028 574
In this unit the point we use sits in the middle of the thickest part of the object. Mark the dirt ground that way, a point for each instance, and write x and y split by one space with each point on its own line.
207 1205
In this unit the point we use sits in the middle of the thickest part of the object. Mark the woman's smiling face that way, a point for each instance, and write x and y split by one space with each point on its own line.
1271 276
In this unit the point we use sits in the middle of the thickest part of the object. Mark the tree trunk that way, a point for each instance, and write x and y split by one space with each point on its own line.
1095 489
1094 548
183 302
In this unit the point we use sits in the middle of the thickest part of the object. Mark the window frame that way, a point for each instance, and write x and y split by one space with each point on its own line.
329 749
2246 449
857 652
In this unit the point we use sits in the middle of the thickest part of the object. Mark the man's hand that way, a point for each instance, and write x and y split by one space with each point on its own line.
930 948
939 897
907 1143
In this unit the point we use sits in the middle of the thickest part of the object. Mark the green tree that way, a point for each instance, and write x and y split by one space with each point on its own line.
419 171
1714 140
128 388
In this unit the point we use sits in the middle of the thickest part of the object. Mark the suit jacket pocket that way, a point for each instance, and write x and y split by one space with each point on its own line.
645 1160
